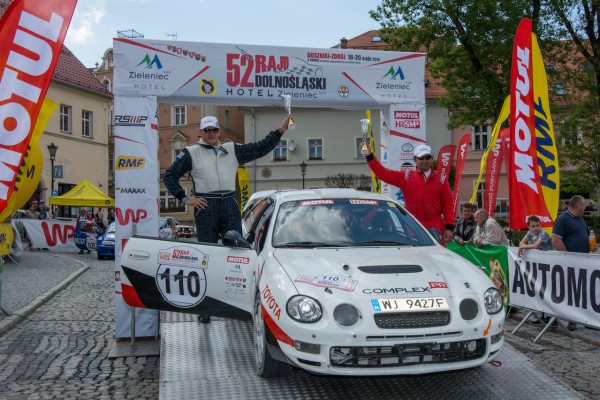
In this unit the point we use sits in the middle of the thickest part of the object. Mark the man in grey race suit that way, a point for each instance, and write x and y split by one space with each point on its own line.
213 167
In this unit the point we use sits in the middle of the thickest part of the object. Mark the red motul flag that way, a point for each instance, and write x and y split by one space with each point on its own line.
463 146
492 173
524 186
445 160
32 33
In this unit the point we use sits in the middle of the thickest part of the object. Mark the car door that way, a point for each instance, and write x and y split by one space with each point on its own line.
188 277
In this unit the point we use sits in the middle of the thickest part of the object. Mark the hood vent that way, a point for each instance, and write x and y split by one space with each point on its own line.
391 269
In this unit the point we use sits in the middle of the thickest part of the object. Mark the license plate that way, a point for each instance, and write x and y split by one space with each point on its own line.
413 304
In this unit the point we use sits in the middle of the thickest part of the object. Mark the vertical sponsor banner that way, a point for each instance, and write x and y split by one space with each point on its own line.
406 124
445 159
524 186
493 260
504 113
136 197
375 183
32 33
492 174
244 185
463 146
547 155
384 137
556 282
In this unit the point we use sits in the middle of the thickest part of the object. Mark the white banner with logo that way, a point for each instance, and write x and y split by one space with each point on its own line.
136 197
249 75
558 283
52 234
404 127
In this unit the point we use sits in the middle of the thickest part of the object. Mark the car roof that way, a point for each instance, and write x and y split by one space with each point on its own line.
326 193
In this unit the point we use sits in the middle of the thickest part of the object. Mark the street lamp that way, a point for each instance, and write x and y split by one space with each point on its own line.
52 150
303 170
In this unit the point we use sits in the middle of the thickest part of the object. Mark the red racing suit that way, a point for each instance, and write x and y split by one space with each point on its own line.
426 199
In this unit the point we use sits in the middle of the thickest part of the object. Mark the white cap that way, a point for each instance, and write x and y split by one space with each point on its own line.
209 122
422 150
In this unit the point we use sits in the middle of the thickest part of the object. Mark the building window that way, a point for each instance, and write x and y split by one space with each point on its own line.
501 209
65 118
280 151
169 203
480 137
227 119
86 123
179 115
479 202
315 149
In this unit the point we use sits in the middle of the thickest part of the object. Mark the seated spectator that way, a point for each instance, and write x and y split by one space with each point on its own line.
488 230
32 211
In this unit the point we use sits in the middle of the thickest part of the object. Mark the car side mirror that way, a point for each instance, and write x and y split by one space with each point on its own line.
235 239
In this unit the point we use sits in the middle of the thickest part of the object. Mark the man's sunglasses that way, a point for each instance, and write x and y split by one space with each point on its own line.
425 157
211 130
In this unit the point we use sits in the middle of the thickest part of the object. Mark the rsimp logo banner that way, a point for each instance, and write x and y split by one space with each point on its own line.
257 75
558 283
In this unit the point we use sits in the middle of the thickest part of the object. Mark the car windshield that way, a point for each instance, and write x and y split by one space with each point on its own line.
346 222
111 228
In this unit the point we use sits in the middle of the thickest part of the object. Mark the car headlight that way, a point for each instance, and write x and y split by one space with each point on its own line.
108 241
304 309
492 299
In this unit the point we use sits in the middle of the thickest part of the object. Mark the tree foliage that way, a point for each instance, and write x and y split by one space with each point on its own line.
469 48
360 182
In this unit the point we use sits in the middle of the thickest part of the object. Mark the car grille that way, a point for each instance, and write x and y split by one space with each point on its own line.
407 354
405 320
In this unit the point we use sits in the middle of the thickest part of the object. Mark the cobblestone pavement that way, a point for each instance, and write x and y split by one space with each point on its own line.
61 350
575 361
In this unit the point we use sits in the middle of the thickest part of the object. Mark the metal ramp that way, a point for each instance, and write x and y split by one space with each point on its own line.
215 361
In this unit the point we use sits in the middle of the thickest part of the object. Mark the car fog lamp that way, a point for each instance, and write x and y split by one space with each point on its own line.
468 309
346 315
492 300
307 347
304 309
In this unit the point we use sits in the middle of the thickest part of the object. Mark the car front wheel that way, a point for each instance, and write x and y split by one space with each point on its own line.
266 366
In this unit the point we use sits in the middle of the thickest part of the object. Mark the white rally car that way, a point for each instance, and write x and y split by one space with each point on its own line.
336 281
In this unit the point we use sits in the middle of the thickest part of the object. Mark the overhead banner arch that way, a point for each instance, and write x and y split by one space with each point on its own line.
249 75
150 71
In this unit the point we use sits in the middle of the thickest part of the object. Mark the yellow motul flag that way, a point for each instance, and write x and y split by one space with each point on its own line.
504 112
374 181
244 184
544 134
31 168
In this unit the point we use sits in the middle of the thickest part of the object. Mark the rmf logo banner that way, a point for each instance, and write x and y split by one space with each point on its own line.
524 183
32 33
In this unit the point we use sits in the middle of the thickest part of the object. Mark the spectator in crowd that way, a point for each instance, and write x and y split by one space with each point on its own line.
570 232
83 214
427 194
111 215
488 230
32 211
44 212
465 227
536 238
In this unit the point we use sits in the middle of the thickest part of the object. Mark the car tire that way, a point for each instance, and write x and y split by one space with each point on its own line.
100 257
266 366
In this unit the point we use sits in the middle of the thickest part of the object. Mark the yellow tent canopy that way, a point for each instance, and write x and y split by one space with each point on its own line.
85 194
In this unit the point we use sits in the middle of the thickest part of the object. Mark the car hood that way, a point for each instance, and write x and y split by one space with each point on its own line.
382 271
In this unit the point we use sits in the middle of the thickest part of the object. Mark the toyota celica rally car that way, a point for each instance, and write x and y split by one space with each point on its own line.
335 281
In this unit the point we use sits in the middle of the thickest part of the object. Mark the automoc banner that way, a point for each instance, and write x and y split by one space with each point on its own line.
558 283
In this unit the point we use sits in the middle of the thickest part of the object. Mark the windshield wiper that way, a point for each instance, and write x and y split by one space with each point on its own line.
307 244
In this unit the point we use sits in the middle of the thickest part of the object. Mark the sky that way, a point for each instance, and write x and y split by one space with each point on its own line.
304 23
